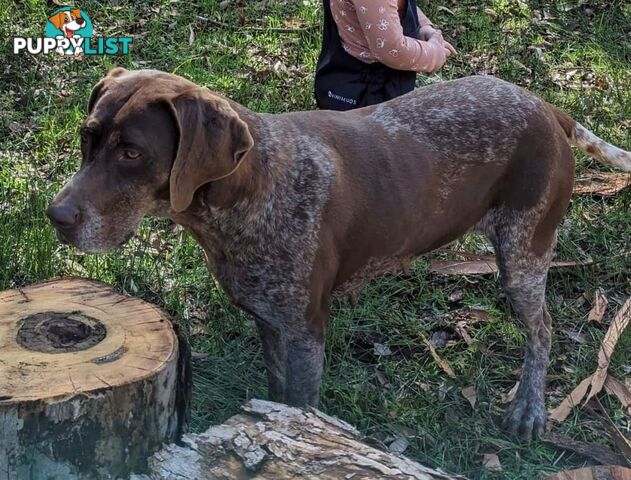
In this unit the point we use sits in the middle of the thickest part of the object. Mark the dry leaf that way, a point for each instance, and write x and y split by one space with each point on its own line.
615 387
469 394
576 336
609 472
424 386
464 267
599 453
594 383
482 265
461 329
508 396
619 323
191 35
490 461
561 412
442 363
600 305
601 183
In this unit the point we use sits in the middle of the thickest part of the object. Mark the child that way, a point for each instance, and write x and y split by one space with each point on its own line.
371 51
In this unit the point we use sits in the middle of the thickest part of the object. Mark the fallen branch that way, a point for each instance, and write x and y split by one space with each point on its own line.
271 440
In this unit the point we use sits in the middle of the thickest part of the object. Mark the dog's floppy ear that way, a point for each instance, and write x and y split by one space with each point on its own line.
57 19
212 141
99 88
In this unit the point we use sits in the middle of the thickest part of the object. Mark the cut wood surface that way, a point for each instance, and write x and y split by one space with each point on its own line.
273 441
93 382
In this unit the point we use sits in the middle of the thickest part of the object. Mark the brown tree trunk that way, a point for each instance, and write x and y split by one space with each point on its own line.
91 382
273 441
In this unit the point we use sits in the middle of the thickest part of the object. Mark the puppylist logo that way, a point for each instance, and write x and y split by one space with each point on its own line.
69 31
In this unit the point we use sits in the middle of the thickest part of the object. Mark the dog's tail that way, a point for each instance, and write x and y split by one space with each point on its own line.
592 145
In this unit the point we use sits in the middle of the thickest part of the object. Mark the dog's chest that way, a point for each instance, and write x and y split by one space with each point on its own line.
263 255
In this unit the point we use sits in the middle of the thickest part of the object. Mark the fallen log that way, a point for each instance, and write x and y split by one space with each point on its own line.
273 441
92 382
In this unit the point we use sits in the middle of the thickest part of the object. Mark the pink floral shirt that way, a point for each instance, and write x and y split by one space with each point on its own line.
371 31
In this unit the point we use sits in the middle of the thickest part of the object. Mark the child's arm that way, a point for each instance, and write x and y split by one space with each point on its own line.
382 28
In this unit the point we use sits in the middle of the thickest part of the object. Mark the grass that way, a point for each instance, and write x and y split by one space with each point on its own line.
577 57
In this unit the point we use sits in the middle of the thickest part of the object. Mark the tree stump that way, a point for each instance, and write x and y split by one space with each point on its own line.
273 441
92 382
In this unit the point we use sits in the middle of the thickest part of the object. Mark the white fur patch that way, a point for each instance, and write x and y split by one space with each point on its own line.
601 150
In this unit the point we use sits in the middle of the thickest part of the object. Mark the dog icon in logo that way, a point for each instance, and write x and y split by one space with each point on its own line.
68 22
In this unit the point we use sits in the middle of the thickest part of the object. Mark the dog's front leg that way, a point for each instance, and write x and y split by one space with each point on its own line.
294 363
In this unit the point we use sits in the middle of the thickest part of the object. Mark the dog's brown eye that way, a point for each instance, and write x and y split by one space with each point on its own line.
132 154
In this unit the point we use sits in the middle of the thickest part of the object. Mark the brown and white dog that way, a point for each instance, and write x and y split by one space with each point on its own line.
292 208
68 21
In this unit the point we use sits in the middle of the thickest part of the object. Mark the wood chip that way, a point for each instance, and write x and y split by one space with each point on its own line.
600 305
609 472
490 461
601 183
470 395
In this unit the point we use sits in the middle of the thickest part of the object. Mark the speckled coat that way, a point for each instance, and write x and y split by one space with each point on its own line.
292 208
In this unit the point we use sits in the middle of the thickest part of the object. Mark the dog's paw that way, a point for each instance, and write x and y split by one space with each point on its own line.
525 419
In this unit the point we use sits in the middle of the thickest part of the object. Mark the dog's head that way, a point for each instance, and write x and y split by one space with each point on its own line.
68 20
149 142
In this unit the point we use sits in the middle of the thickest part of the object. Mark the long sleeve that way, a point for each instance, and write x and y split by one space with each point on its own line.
381 25
423 20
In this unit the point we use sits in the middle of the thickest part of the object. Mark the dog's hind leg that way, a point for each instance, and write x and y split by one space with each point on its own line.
524 241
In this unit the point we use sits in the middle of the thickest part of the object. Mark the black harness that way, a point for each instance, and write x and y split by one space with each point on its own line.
342 82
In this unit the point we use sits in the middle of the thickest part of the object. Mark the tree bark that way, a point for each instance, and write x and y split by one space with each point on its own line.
93 382
273 441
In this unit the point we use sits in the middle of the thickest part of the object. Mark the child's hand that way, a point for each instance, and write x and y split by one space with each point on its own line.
436 53
427 32
449 47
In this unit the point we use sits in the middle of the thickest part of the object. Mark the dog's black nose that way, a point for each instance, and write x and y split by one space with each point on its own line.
63 216
80 20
